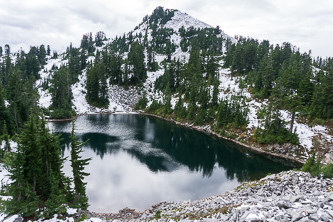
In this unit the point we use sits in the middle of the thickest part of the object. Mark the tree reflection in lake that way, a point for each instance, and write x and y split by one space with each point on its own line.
171 154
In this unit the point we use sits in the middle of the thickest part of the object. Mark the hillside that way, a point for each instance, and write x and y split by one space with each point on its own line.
171 56
272 99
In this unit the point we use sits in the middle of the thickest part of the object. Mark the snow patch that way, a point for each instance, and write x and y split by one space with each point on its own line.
184 20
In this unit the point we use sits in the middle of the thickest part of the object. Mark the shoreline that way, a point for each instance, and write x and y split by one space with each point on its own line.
58 120
293 160
280 196
132 214
78 115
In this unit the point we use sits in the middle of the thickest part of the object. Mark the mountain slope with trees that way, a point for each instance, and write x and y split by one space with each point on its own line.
270 97
172 65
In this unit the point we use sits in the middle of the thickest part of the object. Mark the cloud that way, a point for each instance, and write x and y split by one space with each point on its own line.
305 23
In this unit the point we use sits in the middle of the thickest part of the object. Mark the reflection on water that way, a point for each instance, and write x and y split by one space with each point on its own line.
138 161
100 143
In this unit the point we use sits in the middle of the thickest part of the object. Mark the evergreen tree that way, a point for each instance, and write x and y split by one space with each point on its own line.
61 93
312 165
50 157
6 121
85 42
305 90
264 83
31 65
48 51
97 85
150 65
136 59
22 95
75 65
231 112
54 186
179 105
274 129
92 84
327 89
142 103
99 38
91 47
24 201
35 172
78 164
7 49
117 73
216 91
42 55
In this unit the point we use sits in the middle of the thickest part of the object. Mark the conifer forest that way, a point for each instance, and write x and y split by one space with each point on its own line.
177 72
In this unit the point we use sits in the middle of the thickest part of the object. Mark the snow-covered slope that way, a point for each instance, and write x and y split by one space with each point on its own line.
186 21
121 100
229 86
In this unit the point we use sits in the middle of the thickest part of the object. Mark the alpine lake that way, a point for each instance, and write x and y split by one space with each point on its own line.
138 161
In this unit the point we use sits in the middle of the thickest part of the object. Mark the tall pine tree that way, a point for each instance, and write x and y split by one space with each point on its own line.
61 94
35 172
78 164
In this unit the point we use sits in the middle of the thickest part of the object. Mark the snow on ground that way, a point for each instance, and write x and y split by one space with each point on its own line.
123 101
80 103
45 96
4 179
12 144
184 20
179 54
3 176
149 86
254 122
70 211
229 86
305 132
173 102
119 101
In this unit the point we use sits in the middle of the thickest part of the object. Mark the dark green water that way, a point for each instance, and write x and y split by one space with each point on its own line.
138 161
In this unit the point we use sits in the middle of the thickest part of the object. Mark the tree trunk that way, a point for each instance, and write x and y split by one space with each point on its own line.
20 194
292 121
34 187
47 169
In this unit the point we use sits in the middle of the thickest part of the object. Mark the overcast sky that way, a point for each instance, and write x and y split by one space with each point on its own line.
308 24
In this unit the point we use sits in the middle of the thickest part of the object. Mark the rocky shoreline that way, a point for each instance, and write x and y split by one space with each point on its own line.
291 157
287 196
294 160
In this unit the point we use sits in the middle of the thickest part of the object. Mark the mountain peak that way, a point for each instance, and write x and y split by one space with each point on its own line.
174 19
180 19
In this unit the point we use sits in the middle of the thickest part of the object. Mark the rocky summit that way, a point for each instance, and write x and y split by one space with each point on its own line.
287 196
